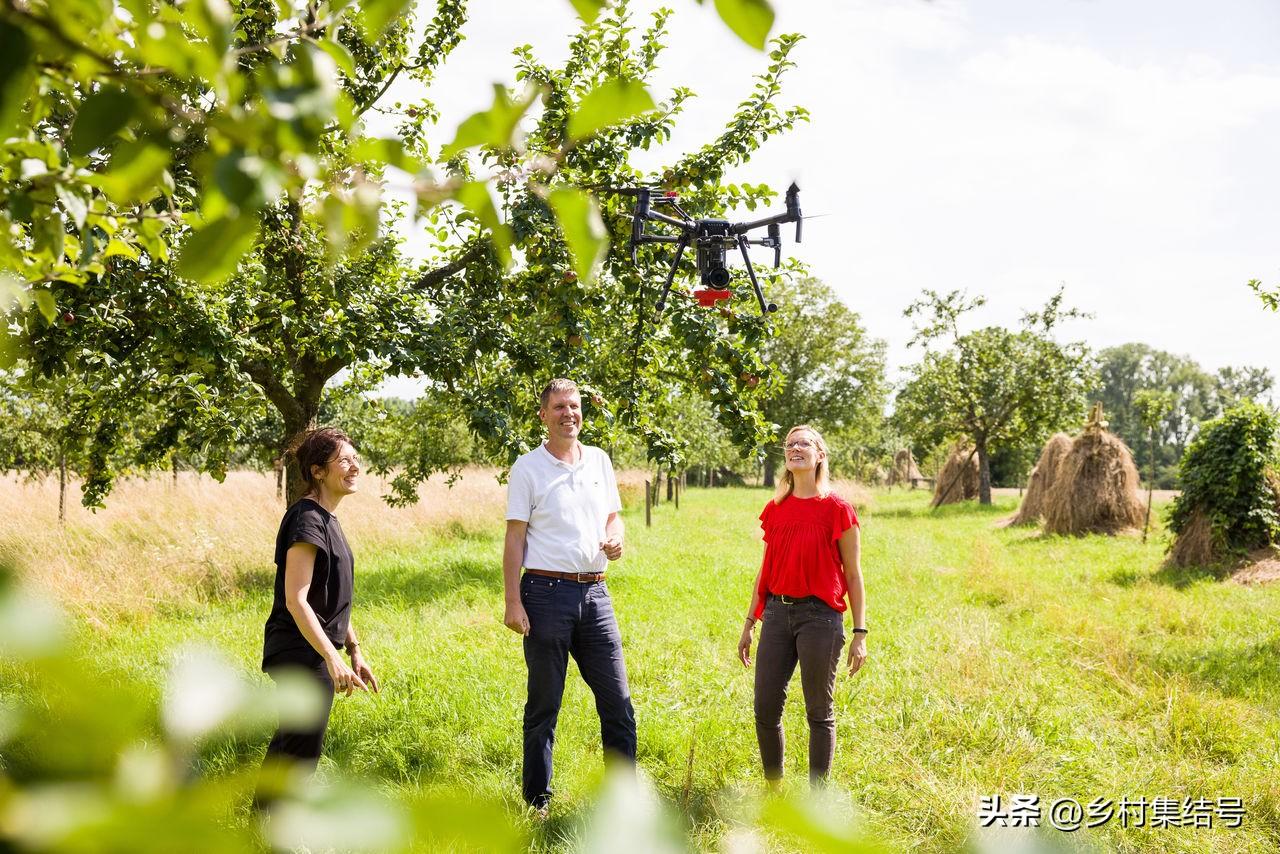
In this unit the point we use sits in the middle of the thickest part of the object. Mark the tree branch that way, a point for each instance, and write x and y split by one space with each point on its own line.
438 275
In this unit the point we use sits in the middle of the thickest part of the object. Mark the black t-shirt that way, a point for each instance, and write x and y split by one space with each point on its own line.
331 580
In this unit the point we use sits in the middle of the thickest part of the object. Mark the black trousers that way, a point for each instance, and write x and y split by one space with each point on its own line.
571 618
810 634
301 746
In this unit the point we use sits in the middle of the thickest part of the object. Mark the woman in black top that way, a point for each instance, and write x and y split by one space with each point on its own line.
311 613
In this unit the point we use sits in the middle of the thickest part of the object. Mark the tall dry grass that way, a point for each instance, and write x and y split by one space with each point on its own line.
162 543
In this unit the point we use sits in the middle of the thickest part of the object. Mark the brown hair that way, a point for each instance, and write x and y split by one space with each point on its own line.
821 472
556 386
317 449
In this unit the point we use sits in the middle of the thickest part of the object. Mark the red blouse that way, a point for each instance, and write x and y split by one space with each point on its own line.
802 551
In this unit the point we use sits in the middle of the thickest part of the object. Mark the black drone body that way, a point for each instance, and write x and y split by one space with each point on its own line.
712 239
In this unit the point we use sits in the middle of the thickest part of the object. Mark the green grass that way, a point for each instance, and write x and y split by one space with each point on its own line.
999 662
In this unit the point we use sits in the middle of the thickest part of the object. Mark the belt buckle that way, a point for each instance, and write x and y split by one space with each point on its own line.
587 577
786 600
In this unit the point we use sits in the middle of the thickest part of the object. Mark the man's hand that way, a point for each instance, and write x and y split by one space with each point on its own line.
612 548
516 619
857 652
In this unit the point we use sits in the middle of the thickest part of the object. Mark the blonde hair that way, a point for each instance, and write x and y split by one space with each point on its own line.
556 386
821 472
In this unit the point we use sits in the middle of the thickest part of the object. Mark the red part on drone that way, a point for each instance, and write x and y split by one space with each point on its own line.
707 297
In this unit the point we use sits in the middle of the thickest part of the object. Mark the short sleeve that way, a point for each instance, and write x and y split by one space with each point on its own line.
764 518
612 497
308 527
519 494
843 518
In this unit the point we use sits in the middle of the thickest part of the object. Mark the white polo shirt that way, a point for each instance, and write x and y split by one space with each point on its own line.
566 506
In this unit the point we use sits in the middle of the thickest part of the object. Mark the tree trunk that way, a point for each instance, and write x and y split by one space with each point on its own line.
278 465
173 464
62 488
770 470
671 486
984 474
1151 483
295 488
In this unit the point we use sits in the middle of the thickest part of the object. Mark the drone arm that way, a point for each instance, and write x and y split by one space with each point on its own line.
657 216
659 238
744 227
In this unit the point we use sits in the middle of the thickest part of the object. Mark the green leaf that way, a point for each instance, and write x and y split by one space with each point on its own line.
102 115
15 72
49 234
589 10
137 168
76 206
340 55
377 15
495 126
116 246
583 229
608 104
389 151
474 196
47 305
211 253
213 20
751 20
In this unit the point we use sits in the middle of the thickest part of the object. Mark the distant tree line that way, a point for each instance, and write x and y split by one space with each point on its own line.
1001 391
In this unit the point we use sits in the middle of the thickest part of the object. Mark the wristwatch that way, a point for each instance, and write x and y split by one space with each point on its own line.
859 631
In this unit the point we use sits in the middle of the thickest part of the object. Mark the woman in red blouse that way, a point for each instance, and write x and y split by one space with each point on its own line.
811 567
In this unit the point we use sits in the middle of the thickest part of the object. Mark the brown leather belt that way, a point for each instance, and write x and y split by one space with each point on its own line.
582 577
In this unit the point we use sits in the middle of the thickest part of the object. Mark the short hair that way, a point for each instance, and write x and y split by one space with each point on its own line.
556 386
317 449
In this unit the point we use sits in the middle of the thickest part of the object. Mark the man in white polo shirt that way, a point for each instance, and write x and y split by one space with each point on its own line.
563 528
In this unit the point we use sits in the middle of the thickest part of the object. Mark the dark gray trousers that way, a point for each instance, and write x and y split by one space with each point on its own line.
809 633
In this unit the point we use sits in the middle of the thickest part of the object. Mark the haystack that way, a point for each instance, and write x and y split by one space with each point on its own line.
905 471
1095 487
1195 545
1042 478
958 477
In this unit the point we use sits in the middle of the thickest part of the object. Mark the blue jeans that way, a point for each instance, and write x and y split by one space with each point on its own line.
571 618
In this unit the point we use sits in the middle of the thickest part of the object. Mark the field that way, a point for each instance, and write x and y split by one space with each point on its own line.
1000 662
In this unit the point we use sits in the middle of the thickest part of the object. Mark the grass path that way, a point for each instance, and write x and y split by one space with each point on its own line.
1000 662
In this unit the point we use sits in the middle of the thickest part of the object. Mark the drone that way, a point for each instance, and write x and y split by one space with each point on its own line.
712 238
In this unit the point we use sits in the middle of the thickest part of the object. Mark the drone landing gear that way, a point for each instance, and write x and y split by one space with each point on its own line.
765 307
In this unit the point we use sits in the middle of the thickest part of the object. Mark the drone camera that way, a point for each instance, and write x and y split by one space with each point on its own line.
712 270
713 239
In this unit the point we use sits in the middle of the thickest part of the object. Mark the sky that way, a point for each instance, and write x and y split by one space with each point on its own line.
1124 150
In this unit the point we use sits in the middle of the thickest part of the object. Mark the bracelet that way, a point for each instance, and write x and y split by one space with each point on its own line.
352 647
751 621
859 631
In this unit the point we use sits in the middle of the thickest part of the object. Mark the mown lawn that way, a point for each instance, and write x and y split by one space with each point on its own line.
1000 662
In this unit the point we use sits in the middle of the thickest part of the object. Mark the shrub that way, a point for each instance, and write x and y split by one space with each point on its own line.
1230 476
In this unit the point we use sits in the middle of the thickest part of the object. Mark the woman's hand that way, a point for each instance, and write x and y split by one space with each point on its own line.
857 652
744 643
344 678
362 670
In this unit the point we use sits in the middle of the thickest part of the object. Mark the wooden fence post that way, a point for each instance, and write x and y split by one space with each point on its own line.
648 505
